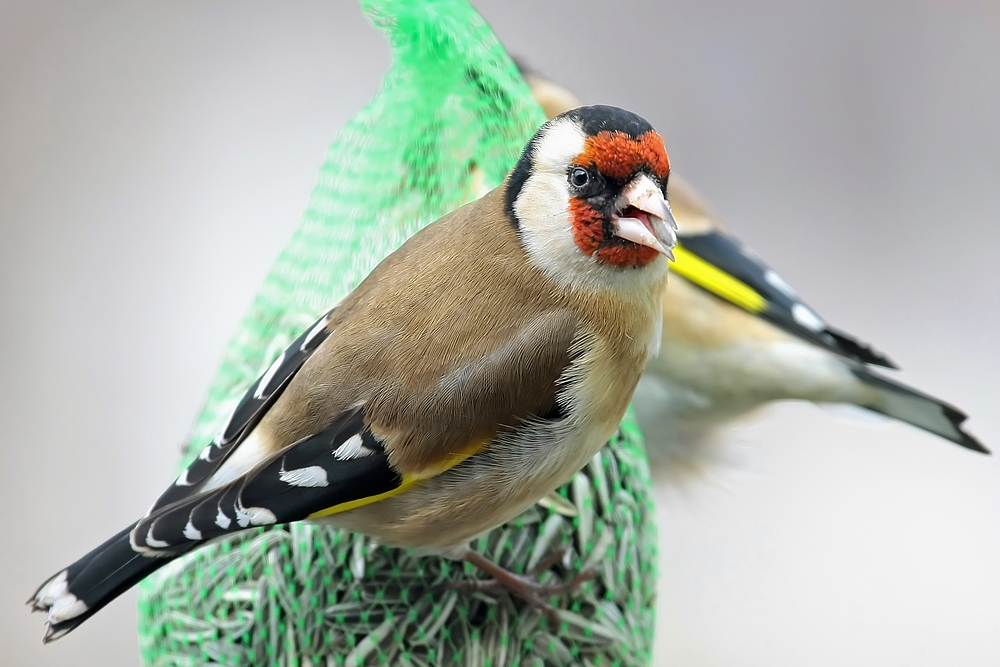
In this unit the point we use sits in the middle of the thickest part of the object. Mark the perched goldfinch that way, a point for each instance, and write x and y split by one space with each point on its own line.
476 369
736 336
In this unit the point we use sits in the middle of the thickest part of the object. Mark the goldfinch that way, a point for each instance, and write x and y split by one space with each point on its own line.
475 370
736 336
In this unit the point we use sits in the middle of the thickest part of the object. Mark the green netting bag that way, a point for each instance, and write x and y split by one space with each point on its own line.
451 118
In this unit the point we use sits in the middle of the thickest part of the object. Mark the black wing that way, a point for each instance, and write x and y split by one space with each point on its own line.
258 399
341 467
721 265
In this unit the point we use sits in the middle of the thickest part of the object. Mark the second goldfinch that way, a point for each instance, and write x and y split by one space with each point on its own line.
476 369
736 336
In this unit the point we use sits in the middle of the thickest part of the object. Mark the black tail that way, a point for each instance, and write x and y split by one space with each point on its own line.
913 407
314 481
82 589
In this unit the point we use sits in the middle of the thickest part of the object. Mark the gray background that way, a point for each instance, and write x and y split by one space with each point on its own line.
155 156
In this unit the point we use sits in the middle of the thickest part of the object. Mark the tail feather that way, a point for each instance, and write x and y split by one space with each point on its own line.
85 587
324 474
918 409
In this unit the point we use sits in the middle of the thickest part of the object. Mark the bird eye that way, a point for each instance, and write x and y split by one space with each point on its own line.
579 177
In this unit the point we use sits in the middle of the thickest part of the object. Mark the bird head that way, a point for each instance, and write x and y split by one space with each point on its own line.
588 195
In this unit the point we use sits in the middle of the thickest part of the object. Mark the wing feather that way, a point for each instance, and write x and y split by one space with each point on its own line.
347 467
260 396
720 264
425 374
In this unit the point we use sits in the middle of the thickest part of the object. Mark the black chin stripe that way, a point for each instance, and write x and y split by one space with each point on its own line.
518 177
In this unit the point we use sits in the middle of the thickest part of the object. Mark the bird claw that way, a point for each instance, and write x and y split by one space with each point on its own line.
523 586
548 562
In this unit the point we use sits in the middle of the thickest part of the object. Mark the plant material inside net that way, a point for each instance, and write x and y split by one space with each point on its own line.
450 120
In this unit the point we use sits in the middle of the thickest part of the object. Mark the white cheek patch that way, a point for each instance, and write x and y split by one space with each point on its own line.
542 205
558 147
546 230
542 209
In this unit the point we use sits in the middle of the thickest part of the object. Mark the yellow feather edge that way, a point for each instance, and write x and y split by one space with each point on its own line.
715 280
361 502
408 480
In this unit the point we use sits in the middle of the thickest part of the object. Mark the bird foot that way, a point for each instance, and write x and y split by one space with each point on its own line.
524 586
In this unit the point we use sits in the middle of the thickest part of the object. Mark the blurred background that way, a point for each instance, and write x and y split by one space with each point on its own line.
154 157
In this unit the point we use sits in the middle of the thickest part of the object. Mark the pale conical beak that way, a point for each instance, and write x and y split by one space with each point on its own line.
656 229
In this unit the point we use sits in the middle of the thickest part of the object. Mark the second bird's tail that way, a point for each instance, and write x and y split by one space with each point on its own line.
921 410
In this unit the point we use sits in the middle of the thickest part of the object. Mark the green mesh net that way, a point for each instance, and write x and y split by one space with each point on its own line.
450 120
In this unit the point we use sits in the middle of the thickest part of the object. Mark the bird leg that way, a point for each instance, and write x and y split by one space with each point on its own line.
523 586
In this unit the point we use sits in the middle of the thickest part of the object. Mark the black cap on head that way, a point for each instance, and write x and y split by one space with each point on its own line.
601 117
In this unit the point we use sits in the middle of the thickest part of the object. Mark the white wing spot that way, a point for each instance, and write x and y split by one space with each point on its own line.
261 516
777 282
807 318
153 542
352 449
221 520
191 532
206 453
314 332
261 390
254 516
182 479
309 477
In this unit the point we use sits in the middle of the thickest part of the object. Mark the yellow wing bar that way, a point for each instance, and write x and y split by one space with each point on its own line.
716 281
